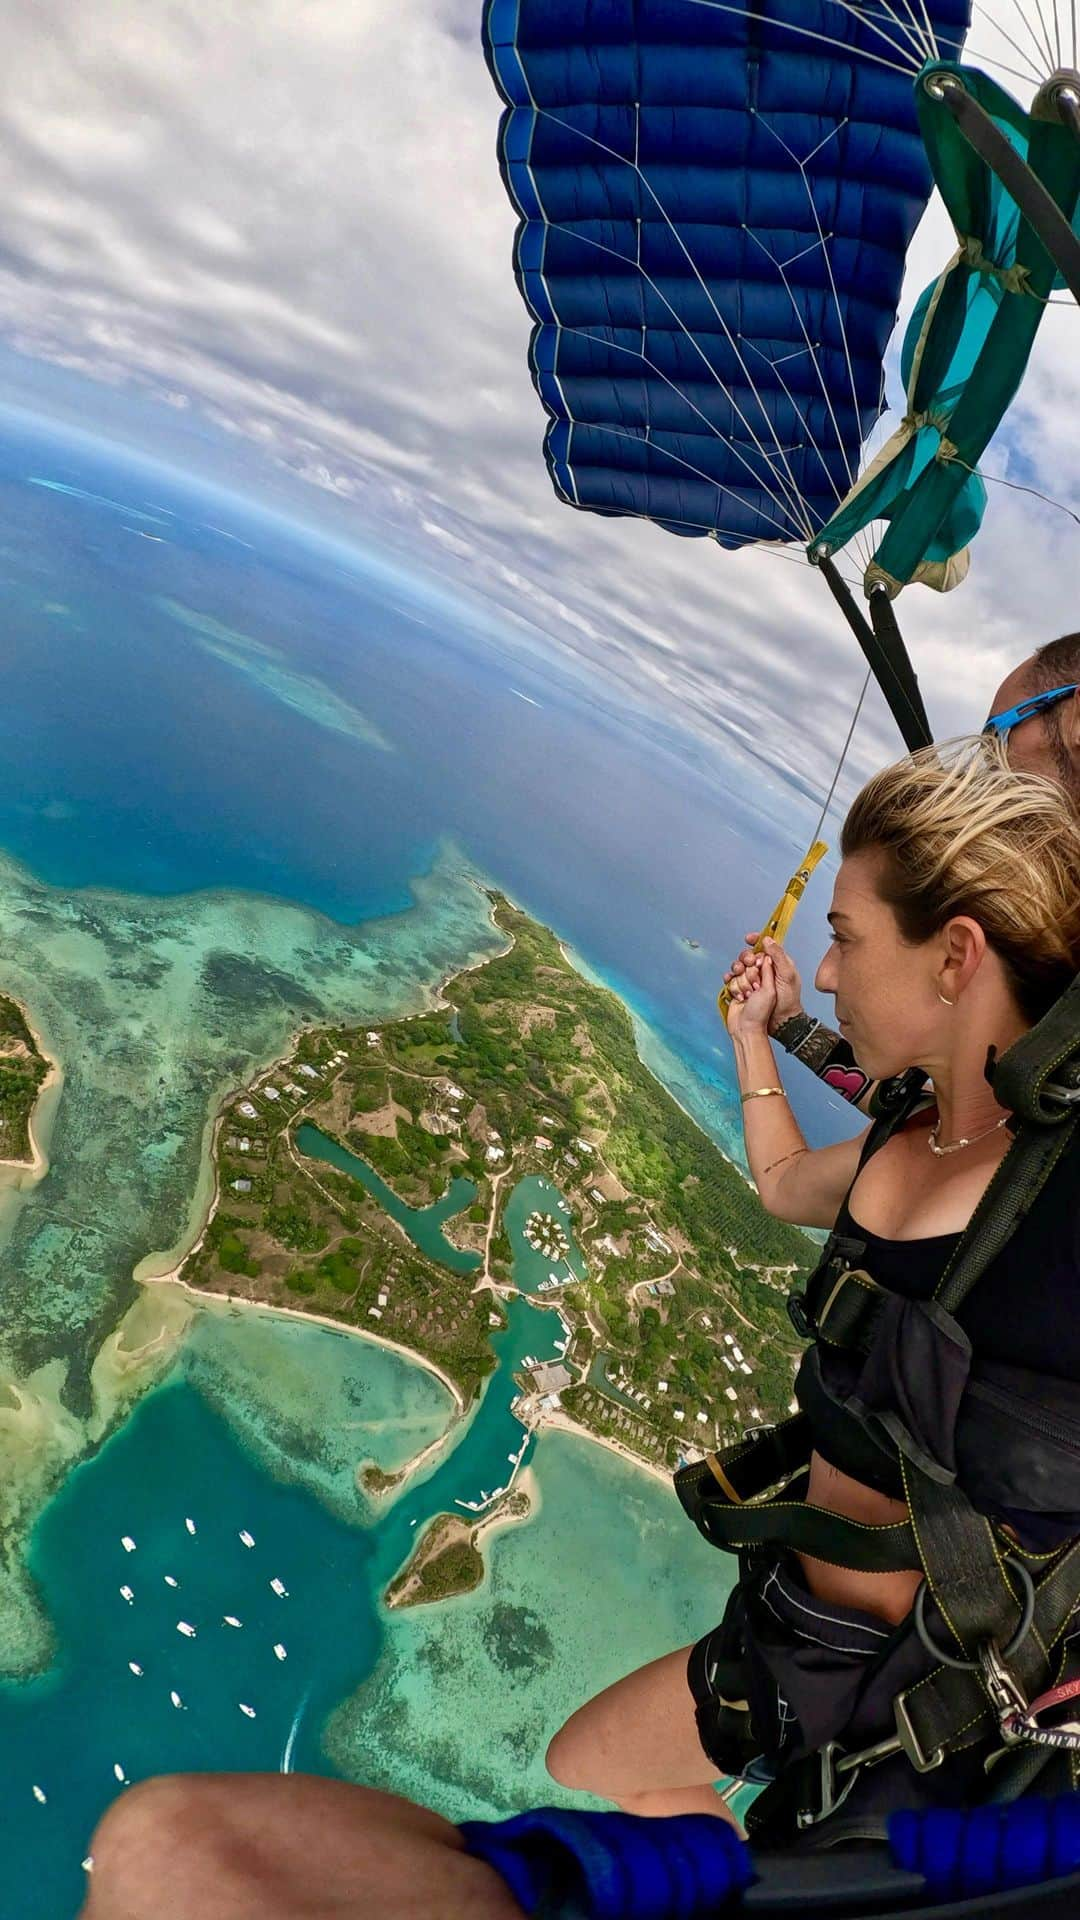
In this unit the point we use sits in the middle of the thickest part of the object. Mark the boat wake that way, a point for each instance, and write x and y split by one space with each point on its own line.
285 1764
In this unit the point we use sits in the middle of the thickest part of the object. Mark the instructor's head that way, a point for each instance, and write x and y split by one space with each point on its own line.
1036 711
956 910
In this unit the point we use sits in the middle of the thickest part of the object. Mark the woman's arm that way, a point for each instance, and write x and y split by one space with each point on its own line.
795 1182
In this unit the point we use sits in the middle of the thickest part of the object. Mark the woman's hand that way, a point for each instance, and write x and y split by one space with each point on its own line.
788 1000
753 996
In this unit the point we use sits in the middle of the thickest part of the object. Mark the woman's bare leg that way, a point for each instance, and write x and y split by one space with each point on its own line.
274 1847
637 1744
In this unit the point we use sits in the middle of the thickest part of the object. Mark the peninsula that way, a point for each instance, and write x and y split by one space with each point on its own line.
23 1072
369 1178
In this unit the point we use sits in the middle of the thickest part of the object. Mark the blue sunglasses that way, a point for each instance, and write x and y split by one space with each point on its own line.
1002 723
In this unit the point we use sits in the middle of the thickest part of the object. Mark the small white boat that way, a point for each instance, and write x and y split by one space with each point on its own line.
280 1650
412 1523
244 1708
232 1621
39 1794
279 1587
513 1458
190 1525
175 1698
127 1594
135 1667
185 1627
120 1774
127 1543
246 1537
88 1864
170 1582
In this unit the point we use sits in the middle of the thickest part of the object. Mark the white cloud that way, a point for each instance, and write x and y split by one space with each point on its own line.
289 223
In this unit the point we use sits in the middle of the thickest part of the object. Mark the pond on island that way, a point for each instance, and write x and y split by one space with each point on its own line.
485 1450
424 1225
533 1270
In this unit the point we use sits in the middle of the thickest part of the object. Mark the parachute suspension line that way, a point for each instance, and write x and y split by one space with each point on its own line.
912 41
1030 24
839 768
623 433
800 520
592 140
886 655
791 506
808 33
913 35
1032 73
999 480
862 542
802 166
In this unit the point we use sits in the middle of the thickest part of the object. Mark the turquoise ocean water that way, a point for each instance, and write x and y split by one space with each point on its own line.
243 782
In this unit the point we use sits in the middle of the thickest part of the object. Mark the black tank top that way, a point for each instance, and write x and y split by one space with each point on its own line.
1022 1317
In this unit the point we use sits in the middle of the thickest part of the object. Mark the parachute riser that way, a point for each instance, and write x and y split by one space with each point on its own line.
1059 102
884 650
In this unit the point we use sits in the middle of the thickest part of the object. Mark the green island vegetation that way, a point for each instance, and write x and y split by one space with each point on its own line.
680 1338
22 1070
447 1559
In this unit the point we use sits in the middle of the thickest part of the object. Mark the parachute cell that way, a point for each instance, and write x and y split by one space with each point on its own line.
715 202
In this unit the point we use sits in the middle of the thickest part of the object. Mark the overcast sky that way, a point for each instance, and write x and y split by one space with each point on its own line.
271 239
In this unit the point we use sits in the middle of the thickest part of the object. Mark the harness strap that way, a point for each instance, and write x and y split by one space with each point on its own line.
1015 1186
753 1495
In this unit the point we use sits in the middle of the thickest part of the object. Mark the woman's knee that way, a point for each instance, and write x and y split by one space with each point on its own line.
636 1735
568 1754
153 1835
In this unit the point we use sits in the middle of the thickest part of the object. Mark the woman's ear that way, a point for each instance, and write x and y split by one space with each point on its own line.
965 946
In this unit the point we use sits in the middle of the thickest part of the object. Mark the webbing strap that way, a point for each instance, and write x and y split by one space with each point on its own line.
1025 1074
731 1499
967 1574
790 1522
950 1709
1037 205
887 658
1016 1184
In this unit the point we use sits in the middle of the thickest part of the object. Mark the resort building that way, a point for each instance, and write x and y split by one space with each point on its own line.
311 1072
272 1093
495 1154
249 1112
241 1186
665 1288
551 1377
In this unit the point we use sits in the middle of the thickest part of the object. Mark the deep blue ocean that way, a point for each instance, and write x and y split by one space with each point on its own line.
135 757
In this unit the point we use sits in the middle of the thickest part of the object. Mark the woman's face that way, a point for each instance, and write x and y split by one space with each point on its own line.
885 989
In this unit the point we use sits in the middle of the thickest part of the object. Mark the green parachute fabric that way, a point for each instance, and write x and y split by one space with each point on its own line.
967 344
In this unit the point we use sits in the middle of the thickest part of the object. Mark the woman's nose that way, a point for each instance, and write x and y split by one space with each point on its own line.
825 977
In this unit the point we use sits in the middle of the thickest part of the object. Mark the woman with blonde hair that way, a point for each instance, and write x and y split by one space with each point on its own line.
905 1589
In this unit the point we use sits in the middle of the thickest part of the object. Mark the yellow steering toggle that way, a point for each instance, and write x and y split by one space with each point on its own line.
781 917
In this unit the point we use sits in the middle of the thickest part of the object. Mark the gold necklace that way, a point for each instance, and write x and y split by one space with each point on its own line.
954 1146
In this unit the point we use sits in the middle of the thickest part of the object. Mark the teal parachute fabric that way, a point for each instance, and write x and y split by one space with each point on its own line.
968 342
715 204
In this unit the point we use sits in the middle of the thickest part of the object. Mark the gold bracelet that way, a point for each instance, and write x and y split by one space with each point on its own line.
761 1093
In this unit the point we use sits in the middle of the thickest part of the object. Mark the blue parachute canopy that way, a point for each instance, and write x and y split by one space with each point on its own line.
716 201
